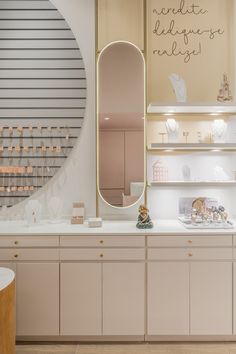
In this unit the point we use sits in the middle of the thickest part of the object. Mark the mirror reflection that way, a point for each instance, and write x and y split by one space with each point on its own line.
121 81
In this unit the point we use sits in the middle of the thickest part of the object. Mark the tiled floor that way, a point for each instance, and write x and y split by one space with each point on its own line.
199 348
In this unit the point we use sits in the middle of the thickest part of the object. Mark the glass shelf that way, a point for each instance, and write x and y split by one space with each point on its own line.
178 147
213 109
192 183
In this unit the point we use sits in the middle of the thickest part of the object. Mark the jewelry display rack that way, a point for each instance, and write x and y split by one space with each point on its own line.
30 155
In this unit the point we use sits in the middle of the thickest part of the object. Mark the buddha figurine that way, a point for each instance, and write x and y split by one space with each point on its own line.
144 220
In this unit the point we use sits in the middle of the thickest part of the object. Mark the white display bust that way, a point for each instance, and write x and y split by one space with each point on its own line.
172 128
179 87
219 130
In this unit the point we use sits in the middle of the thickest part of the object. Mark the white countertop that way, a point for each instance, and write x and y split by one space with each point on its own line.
6 277
161 227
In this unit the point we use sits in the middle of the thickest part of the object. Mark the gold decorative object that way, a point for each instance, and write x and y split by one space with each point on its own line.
162 137
225 92
17 148
19 130
186 135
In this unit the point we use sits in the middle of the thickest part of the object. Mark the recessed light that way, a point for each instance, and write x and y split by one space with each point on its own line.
107 118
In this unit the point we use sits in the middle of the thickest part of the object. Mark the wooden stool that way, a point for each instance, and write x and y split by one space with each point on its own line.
7 311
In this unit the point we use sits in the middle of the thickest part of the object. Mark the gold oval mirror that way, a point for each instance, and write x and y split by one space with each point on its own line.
121 111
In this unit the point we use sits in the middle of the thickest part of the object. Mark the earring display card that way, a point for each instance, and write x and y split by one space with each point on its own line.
78 213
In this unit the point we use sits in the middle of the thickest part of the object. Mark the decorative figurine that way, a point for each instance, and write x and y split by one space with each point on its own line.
144 220
179 87
219 130
225 92
172 128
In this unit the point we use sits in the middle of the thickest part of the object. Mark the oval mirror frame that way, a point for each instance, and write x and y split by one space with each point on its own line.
107 121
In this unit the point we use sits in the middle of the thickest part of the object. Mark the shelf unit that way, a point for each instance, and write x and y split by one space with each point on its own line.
190 114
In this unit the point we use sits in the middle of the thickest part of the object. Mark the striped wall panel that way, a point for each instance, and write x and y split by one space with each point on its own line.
42 90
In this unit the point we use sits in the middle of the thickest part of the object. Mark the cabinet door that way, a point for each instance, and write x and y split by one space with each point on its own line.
123 298
211 298
234 295
37 299
168 298
81 299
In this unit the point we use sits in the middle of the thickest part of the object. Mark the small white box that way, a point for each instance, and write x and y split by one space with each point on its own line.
94 222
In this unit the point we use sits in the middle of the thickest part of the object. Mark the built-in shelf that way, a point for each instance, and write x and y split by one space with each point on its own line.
192 183
191 109
168 148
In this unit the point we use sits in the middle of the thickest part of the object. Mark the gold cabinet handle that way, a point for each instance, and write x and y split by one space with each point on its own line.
16 256
16 242
190 254
190 241
101 241
101 255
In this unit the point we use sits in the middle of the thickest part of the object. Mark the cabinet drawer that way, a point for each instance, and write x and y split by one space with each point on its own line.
102 241
190 254
190 241
29 241
101 254
24 254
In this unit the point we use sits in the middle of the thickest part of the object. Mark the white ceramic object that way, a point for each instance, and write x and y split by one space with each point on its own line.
179 87
55 206
220 174
33 211
172 128
186 173
6 277
219 131
94 222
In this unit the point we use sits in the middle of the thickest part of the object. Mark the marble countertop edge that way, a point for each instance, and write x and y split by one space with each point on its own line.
113 228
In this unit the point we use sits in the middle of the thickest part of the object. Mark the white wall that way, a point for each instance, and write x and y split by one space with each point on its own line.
76 181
